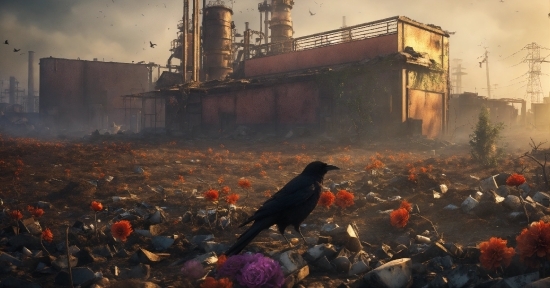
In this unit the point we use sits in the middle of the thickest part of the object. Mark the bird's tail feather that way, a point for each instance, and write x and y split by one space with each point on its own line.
248 236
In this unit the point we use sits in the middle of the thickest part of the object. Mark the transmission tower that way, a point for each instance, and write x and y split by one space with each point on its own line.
486 61
457 73
534 88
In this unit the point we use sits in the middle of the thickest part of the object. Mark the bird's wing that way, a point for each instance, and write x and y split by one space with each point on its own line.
294 193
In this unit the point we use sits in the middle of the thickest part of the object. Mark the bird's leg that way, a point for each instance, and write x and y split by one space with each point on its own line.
287 241
300 231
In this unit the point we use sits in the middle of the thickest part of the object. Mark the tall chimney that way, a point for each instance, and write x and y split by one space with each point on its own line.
196 41
12 90
30 97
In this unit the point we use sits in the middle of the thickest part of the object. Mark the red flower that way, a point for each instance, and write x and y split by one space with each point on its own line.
30 208
221 261
232 199
121 230
96 206
16 215
399 218
515 180
344 199
47 235
244 183
406 205
226 189
210 282
326 199
211 195
533 244
495 254
37 213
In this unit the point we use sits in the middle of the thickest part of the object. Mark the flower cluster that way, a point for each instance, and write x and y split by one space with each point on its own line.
232 198
344 199
244 183
515 180
253 271
211 195
326 199
121 230
16 215
495 254
35 211
533 244
96 206
47 235
400 217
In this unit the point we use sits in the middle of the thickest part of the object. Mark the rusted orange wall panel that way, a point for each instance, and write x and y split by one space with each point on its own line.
428 107
214 105
298 103
324 56
286 103
255 106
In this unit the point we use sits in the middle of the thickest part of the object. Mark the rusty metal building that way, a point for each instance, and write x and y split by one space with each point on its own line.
80 94
384 77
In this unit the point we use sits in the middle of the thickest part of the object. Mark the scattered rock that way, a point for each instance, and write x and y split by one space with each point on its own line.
61 262
161 243
542 198
8 258
358 267
145 256
341 264
462 276
140 272
469 204
512 202
291 261
488 184
521 280
396 273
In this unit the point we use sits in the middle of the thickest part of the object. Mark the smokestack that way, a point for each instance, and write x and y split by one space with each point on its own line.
30 97
12 90
196 40
281 23
185 35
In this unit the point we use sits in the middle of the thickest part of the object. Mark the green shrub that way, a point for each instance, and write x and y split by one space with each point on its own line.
484 140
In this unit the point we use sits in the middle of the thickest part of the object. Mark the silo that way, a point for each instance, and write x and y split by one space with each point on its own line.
281 24
217 40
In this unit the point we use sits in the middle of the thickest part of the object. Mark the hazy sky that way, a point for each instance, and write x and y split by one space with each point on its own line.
120 31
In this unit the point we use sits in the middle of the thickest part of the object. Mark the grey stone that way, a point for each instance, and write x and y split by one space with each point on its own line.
141 272
144 233
512 202
503 191
520 280
44 205
104 251
461 276
450 207
525 187
341 264
542 283
198 239
396 273
488 184
25 240
469 204
323 264
161 243
542 198
358 267
155 218
61 262
8 258
316 252
82 276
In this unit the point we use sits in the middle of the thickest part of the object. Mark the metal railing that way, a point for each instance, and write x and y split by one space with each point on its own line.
373 29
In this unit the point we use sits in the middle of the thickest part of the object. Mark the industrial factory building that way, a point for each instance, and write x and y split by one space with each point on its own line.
79 94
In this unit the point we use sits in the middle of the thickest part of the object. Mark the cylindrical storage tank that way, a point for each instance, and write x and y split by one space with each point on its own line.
217 40
281 24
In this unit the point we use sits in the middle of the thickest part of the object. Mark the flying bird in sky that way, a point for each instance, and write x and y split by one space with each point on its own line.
6 42
16 50
152 45
311 13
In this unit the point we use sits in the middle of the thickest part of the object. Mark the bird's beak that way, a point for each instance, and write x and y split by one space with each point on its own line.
332 167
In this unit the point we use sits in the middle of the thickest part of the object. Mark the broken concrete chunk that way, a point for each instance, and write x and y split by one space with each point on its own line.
396 273
469 204
162 243
512 202
450 207
525 187
316 252
462 276
198 239
521 280
145 256
503 190
61 262
291 261
207 259
443 188
542 198
5 257
341 264
323 264
358 267
489 184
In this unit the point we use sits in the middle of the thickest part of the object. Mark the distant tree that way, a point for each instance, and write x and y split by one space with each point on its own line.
484 140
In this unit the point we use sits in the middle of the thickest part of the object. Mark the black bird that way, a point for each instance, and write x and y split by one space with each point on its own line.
311 13
152 45
289 206
6 42
16 50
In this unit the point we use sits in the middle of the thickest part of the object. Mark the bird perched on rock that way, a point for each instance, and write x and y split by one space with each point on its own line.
289 206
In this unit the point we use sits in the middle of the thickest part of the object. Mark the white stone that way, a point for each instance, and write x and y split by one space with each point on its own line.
443 188
291 261
396 273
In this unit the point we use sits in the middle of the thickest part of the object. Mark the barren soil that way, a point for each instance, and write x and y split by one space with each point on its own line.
59 171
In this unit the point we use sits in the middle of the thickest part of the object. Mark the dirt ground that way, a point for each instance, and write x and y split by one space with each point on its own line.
59 172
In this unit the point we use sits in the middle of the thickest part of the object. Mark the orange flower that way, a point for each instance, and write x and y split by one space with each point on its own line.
30 208
226 189
121 230
399 217
344 199
495 254
326 199
211 195
210 282
406 205
96 206
376 164
47 235
221 261
16 215
515 180
412 177
244 183
533 244
36 213
232 199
